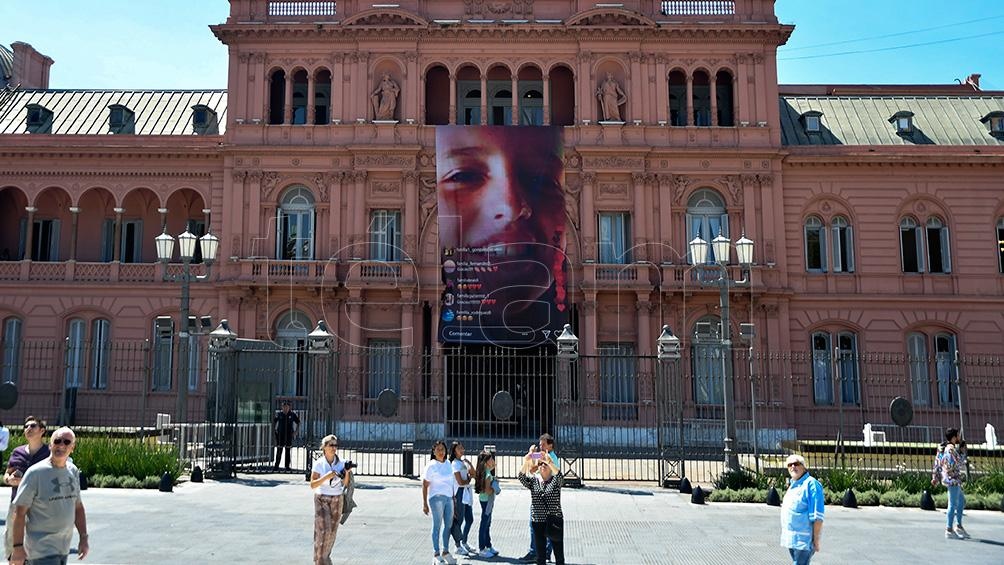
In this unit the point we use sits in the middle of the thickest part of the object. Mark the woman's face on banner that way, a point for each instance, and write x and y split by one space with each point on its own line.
500 188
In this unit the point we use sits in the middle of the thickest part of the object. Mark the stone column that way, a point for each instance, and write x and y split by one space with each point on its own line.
117 254
484 99
662 89
453 99
588 217
639 224
354 351
287 111
714 101
163 219
253 210
73 233
358 214
515 100
644 329
337 88
335 225
29 236
311 93
690 101
547 100
636 82
410 242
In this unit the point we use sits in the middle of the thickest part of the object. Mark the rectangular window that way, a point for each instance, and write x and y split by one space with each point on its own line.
916 350
815 245
385 235
935 250
295 366
383 367
843 249
618 381
708 371
847 362
163 353
100 353
132 241
946 349
75 353
822 369
45 240
614 235
909 249
11 341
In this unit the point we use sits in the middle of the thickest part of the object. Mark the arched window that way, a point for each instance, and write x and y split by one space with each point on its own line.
706 216
562 96
471 107
706 362
100 352
291 331
815 245
723 93
437 96
702 99
822 369
76 358
916 353
295 225
843 245
677 98
911 246
10 344
322 97
300 97
938 251
531 108
277 97
500 108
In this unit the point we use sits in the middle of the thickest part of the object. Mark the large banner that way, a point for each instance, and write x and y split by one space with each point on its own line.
501 234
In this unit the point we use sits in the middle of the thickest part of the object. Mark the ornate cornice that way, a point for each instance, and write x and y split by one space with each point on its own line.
122 174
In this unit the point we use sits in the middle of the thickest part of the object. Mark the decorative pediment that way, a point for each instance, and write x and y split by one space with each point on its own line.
609 17
386 17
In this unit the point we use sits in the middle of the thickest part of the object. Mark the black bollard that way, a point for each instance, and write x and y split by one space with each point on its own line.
167 483
685 487
197 474
927 501
850 501
773 499
697 497
83 481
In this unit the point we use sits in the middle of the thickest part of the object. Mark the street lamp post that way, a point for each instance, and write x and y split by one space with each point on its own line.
208 243
699 253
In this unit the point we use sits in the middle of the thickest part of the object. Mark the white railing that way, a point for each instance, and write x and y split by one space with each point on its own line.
252 443
698 7
310 8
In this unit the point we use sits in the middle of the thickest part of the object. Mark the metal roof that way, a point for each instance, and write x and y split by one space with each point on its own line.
6 65
864 120
85 112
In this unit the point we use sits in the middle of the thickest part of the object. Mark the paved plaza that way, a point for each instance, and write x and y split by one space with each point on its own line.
268 519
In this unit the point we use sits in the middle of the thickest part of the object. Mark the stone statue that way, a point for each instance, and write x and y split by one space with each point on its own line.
384 99
611 97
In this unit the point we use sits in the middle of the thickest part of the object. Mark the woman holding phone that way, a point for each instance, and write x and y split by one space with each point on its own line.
545 504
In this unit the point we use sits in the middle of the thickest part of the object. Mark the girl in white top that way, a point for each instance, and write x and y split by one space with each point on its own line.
463 501
328 478
438 486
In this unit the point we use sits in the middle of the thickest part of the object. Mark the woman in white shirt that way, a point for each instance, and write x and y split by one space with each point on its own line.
328 479
463 500
438 485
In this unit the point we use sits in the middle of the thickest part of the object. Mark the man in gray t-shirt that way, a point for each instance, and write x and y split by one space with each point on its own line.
48 506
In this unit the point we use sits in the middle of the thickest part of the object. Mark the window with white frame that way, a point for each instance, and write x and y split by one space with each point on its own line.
939 257
815 245
618 381
11 347
163 353
945 353
292 330
822 369
385 235
100 352
706 362
843 245
845 372
917 361
295 225
614 237
911 246
706 217
76 356
847 363
383 367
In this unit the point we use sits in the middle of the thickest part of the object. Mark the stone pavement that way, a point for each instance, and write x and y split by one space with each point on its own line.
269 519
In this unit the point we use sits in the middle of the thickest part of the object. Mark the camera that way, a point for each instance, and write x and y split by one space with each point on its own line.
349 465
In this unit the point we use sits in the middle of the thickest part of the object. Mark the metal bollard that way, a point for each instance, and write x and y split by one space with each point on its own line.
407 459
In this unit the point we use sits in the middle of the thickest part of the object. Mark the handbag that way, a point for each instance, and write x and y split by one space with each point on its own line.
496 486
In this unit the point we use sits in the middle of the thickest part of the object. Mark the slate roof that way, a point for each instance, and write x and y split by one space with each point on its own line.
85 112
864 120
6 65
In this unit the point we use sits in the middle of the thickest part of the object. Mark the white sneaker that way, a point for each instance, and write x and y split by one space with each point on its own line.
437 560
950 534
462 552
470 551
962 533
495 552
447 558
487 553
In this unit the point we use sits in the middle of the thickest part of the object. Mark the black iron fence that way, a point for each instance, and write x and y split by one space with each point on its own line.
616 415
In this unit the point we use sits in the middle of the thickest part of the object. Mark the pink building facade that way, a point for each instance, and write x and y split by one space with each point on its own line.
876 211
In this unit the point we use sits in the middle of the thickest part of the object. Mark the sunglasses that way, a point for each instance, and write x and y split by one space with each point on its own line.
31 425
62 441
331 445
795 464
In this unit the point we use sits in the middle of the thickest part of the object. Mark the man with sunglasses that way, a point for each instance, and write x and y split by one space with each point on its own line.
48 507
801 512
23 457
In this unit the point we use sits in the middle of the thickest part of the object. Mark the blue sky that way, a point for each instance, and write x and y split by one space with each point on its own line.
167 43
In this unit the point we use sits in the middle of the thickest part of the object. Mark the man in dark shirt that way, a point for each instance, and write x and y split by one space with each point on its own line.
287 423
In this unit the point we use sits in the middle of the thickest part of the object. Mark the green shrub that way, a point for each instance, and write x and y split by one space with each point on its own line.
899 499
720 495
745 495
131 482
735 480
868 498
990 482
765 481
151 482
832 497
941 500
125 458
840 479
915 483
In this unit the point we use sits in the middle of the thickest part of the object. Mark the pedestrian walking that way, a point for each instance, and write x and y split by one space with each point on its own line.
287 424
487 488
543 479
950 471
328 478
23 457
545 447
463 500
438 487
801 512
48 507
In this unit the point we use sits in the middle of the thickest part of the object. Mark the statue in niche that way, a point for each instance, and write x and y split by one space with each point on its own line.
384 99
611 98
